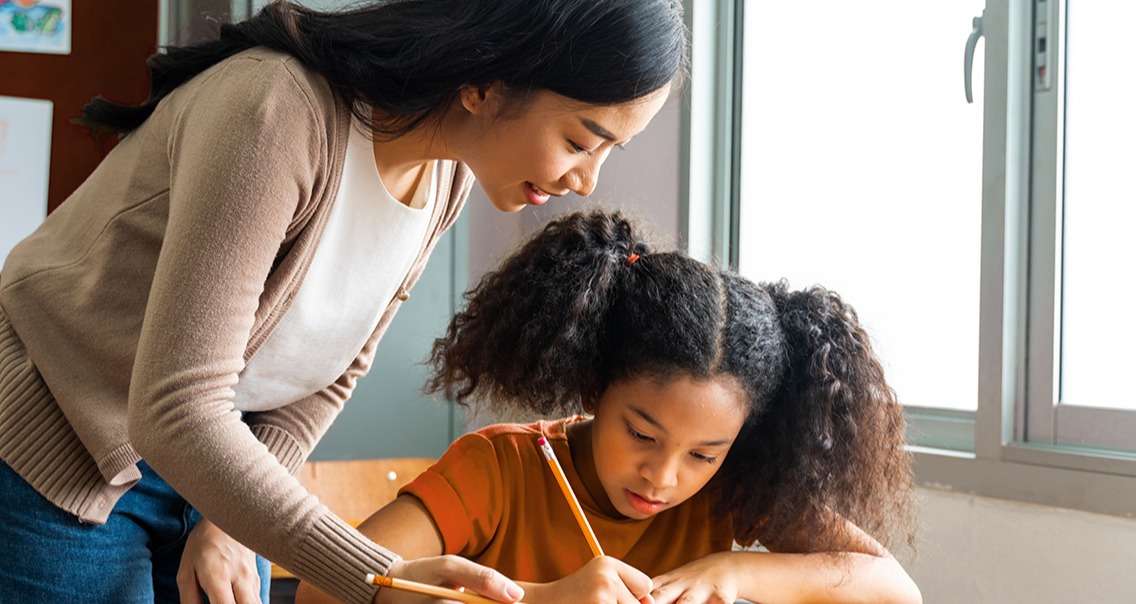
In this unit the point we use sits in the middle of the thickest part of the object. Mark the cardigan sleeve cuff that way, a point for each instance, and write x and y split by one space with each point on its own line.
337 558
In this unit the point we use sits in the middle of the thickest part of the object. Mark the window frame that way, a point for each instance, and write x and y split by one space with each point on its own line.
987 452
1049 421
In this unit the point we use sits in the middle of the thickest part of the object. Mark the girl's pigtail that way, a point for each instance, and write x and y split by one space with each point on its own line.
831 440
532 334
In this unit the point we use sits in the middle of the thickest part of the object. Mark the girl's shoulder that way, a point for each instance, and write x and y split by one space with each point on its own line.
514 444
554 429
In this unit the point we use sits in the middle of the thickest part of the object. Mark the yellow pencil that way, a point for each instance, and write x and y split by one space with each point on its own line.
433 591
558 472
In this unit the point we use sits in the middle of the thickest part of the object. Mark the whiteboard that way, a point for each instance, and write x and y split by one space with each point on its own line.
25 158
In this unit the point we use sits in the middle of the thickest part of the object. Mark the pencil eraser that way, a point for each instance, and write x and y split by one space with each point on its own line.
370 577
540 441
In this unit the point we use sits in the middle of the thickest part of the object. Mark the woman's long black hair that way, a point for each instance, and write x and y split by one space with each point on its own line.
409 58
568 315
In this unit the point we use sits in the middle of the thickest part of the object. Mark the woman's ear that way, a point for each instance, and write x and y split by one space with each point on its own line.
588 406
482 100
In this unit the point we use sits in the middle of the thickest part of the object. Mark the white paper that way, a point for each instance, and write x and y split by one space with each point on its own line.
36 26
25 159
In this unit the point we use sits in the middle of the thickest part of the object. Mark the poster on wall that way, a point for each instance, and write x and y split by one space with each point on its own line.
42 26
25 158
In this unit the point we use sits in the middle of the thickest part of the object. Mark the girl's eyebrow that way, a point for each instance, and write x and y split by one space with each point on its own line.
654 422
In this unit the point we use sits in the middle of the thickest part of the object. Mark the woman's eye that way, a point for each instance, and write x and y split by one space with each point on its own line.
577 148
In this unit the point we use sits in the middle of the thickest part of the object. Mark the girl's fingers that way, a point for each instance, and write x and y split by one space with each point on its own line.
666 594
671 592
691 597
638 583
625 597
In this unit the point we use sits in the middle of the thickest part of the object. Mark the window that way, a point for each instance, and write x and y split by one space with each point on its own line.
985 246
861 171
1081 233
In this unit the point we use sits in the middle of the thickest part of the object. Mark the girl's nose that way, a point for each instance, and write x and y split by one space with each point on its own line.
661 473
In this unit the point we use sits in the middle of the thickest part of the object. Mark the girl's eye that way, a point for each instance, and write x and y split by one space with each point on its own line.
639 435
704 458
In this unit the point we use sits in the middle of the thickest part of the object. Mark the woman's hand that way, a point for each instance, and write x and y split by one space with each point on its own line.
449 571
709 580
604 580
219 566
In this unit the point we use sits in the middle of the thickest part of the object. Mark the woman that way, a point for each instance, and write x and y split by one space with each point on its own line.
183 329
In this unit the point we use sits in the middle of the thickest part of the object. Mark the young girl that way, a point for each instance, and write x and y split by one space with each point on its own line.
720 411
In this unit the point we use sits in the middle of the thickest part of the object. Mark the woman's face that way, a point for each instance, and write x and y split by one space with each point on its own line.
656 443
550 146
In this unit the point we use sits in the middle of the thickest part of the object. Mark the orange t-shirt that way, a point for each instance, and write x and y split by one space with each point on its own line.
495 501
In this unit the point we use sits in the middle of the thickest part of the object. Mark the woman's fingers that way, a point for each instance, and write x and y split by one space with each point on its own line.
188 592
218 592
484 581
214 563
247 591
459 572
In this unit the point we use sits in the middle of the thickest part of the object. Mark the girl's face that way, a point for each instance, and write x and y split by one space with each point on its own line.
657 443
550 146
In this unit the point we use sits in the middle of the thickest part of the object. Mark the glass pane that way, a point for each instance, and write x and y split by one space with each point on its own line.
1098 329
861 171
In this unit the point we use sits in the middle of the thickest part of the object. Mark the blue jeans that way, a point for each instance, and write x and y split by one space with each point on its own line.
47 556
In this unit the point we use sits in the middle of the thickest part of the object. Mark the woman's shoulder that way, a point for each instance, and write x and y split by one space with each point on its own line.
261 106
261 75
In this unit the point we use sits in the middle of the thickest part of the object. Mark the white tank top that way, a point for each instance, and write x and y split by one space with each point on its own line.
366 250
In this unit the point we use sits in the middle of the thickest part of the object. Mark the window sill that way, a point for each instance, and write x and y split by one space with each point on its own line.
1027 476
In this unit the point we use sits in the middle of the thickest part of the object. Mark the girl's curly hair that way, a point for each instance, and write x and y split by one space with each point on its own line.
568 314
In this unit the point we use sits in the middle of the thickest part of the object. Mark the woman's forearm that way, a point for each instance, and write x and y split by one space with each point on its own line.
776 578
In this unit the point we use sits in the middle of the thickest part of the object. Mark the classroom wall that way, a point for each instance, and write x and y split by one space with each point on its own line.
980 549
110 42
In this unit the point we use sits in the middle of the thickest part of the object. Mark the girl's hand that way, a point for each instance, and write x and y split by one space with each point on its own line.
449 571
604 580
220 566
709 580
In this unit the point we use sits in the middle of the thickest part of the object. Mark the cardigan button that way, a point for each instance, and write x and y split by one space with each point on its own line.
403 295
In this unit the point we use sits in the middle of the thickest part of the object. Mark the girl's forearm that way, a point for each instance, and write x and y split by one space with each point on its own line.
774 578
533 591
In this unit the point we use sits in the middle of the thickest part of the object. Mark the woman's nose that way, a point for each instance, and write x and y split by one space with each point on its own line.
581 183
582 179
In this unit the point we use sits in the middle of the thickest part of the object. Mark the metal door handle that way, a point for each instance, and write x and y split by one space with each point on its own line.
968 58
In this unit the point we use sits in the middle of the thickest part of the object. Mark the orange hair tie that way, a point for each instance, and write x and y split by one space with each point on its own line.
632 259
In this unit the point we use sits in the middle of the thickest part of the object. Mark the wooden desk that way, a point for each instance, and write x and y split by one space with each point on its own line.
355 489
